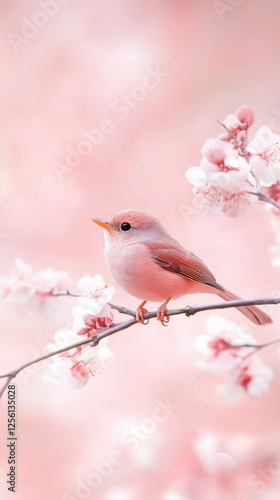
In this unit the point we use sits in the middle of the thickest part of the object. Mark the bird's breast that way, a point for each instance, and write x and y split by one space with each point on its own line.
136 271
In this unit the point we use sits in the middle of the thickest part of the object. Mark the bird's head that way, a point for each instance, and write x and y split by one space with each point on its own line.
131 225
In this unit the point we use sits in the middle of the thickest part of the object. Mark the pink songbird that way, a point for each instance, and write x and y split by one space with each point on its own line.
150 264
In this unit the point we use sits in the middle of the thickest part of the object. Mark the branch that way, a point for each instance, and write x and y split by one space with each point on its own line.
65 294
107 331
236 140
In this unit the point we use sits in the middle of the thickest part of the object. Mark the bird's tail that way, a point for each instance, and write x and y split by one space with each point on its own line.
253 313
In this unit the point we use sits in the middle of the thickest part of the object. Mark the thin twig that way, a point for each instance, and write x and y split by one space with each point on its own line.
236 140
254 347
107 331
65 294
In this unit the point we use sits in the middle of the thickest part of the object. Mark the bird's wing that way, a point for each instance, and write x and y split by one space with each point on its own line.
180 261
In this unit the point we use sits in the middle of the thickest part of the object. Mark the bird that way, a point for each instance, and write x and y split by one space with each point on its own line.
148 263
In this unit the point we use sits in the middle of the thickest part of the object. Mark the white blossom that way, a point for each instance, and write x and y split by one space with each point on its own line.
265 160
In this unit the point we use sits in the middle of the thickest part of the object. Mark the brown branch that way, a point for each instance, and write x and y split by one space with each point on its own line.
107 331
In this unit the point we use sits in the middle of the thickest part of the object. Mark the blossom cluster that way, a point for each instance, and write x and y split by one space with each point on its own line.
36 291
231 169
91 313
27 289
227 350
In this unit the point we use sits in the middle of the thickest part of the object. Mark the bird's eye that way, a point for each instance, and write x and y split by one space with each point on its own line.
125 226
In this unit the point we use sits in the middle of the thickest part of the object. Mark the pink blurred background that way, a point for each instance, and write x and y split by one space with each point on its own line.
65 79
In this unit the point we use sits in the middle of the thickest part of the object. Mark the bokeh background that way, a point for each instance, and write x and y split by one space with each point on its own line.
64 78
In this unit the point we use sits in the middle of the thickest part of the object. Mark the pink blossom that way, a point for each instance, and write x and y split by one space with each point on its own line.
274 193
93 323
225 351
214 151
225 137
242 136
221 187
216 344
77 364
49 281
29 290
79 374
214 203
233 124
245 115
18 281
249 376
22 271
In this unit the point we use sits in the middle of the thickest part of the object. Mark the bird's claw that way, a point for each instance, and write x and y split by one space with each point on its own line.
140 311
165 321
161 316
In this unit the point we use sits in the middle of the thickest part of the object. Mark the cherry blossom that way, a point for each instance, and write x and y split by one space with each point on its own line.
265 156
221 186
215 453
93 323
216 345
95 292
49 281
22 270
239 122
29 290
230 174
19 278
226 353
274 193
245 115
249 376
76 365
214 151
233 124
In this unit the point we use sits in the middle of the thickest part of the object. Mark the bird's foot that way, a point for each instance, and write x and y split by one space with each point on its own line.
140 311
161 313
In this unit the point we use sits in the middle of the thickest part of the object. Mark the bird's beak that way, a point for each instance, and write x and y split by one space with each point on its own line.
103 223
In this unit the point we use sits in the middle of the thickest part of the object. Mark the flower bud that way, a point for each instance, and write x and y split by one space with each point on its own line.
241 135
214 150
245 115
224 137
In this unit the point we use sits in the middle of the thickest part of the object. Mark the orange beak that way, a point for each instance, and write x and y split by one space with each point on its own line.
104 224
